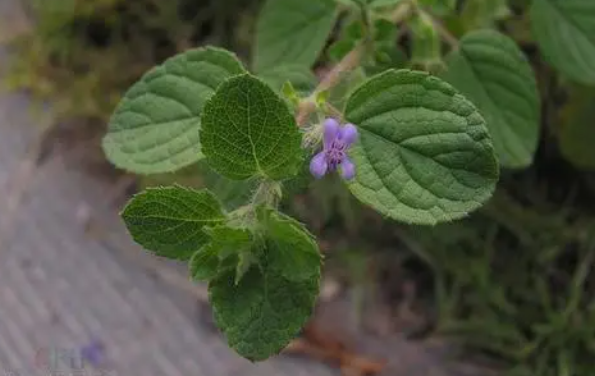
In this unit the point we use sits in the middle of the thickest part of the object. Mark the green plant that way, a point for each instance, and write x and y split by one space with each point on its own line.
417 147
263 267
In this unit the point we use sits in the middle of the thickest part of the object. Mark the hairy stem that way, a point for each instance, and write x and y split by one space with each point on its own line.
351 61
347 64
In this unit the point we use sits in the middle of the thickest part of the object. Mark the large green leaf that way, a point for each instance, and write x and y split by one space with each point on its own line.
262 302
169 221
262 313
424 155
565 31
292 32
155 127
248 131
493 73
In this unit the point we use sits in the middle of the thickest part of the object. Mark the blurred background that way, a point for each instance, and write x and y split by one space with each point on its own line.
509 290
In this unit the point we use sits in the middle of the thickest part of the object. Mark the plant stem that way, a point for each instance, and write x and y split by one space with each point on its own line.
347 64
351 61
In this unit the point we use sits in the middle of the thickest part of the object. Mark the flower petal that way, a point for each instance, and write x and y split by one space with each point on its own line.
348 134
347 169
331 132
318 165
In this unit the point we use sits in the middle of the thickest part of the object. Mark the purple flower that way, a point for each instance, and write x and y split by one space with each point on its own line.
337 139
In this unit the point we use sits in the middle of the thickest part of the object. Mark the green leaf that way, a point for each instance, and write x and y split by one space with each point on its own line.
229 238
248 130
424 155
340 49
385 31
224 242
351 35
169 221
565 32
384 58
154 129
292 32
355 30
262 298
300 77
578 131
492 71
292 250
245 261
262 313
204 264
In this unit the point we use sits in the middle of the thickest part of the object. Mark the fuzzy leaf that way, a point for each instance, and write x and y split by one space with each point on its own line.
248 130
292 32
261 303
169 221
565 32
424 155
224 242
493 73
291 249
204 264
228 235
261 313
155 127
